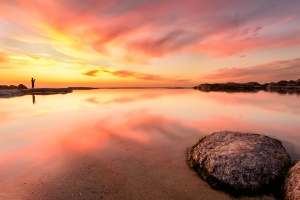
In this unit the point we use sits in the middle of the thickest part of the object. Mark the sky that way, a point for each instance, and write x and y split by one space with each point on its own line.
117 43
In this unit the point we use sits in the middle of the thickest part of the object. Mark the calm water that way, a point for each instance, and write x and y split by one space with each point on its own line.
161 123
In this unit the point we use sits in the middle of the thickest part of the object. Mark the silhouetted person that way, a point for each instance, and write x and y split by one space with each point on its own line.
32 82
33 99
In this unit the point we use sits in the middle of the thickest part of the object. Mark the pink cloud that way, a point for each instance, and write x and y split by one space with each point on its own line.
273 71
245 40
217 28
281 22
129 98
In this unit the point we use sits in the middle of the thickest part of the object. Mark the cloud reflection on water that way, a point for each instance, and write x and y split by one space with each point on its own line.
263 100
157 122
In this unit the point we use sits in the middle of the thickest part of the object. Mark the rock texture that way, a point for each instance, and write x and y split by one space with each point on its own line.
230 86
282 86
292 183
7 93
240 163
8 87
21 86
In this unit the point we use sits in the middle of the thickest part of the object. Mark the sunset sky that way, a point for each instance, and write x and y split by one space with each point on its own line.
148 42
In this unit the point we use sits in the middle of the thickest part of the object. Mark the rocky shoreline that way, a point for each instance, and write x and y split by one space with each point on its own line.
20 90
246 164
282 86
8 91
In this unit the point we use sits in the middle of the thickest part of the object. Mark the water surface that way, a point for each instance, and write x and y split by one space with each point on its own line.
125 136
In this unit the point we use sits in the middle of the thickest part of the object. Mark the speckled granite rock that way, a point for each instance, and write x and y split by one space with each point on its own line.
239 163
292 183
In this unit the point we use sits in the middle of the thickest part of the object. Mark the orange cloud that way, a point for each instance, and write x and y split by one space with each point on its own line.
143 76
136 75
92 72
3 58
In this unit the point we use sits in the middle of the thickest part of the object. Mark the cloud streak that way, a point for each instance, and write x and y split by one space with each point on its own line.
273 71
135 75
91 73
134 26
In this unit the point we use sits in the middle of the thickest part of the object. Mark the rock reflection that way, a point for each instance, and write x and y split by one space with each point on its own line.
263 100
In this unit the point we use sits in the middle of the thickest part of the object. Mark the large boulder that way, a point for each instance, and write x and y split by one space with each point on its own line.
240 163
292 183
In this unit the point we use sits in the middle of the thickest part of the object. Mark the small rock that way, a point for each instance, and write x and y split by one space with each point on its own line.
21 86
4 87
13 87
292 183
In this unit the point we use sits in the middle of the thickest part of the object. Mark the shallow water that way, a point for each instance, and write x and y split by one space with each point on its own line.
145 127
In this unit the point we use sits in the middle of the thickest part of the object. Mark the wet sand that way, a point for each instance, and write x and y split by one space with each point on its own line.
117 169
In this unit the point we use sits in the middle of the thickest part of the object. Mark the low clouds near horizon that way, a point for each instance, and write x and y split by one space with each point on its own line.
135 75
273 71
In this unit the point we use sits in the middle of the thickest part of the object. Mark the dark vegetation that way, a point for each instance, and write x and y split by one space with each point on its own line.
282 86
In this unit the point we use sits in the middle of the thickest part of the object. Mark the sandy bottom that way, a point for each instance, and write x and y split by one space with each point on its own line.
117 169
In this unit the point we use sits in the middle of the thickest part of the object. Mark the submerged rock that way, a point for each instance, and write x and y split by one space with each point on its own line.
239 163
7 93
292 183
48 91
